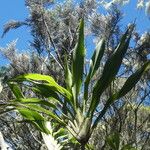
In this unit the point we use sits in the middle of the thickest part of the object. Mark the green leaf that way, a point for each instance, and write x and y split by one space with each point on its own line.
49 84
41 90
68 77
94 65
78 63
52 88
130 83
59 133
45 111
37 101
16 90
133 79
111 69
90 147
35 118
128 147
35 77
95 60
113 141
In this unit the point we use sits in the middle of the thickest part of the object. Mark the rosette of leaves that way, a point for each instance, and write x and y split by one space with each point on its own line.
73 106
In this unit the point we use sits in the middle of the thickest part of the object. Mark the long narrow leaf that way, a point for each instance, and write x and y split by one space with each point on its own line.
45 111
59 133
133 79
41 90
37 101
68 77
35 118
111 68
49 84
52 88
94 65
78 63
35 77
95 60
113 141
129 84
16 90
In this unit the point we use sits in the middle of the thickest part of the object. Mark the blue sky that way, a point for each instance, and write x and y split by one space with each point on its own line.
15 9
131 13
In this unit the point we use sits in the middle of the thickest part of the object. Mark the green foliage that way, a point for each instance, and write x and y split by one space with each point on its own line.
34 118
76 117
113 142
16 90
78 65
49 84
94 65
111 69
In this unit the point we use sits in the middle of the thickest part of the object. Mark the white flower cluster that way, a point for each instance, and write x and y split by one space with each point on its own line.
108 5
144 38
121 2
140 4
144 4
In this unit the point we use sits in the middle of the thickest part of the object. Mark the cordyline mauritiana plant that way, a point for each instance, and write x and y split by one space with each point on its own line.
70 108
